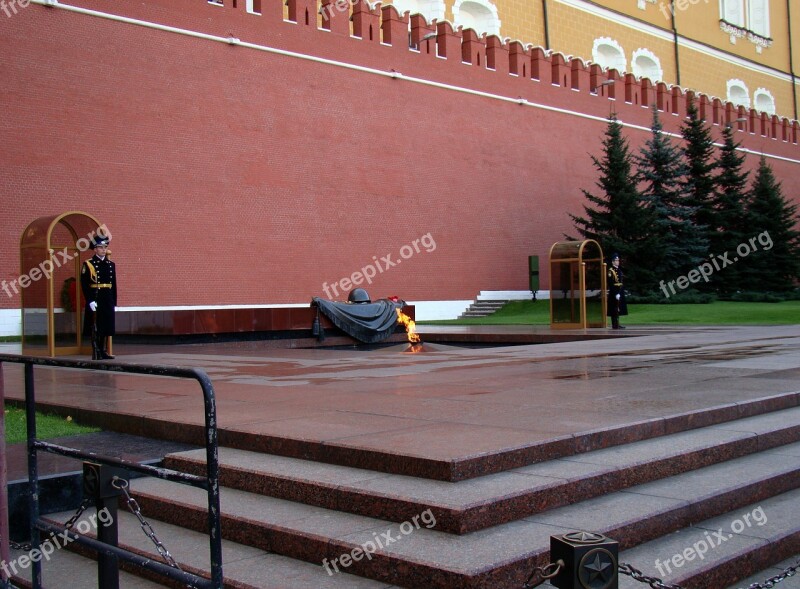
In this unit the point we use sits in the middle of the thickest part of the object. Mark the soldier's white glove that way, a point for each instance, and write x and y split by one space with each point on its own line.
93 305
617 299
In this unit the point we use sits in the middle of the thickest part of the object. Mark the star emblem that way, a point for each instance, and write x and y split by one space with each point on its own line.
597 569
583 537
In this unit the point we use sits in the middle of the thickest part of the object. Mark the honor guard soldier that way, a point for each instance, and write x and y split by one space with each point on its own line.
616 293
99 286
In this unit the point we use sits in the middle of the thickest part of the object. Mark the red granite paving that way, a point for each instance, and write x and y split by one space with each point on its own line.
447 403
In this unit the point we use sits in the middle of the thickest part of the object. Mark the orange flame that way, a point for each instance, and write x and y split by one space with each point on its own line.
408 322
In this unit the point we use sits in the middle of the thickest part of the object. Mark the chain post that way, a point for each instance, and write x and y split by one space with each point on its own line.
99 489
589 561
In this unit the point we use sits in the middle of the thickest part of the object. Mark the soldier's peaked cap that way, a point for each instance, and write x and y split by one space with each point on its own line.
99 240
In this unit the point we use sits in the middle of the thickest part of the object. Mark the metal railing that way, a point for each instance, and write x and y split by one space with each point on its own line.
210 483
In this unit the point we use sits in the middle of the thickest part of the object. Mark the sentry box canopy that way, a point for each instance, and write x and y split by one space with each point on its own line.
51 252
577 285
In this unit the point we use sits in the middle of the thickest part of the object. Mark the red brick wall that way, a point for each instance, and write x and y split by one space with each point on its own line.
229 175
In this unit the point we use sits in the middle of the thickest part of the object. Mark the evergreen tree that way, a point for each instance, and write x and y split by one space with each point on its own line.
661 171
698 152
615 217
774 262
730 225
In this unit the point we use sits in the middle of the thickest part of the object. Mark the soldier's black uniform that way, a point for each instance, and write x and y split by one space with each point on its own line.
99 283
615 307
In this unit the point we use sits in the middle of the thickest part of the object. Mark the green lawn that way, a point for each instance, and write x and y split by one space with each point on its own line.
716 313
47 426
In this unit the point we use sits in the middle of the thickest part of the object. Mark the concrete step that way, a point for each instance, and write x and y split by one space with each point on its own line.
483 308
487 501
416 554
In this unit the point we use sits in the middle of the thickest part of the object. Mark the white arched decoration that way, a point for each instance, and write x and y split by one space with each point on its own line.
738 93
645 64
430 9
763 101
608 54
479 15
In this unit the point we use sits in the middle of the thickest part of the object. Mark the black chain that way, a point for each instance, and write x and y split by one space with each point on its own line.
638 575
133 506
657 583
772 581
555 567
27 546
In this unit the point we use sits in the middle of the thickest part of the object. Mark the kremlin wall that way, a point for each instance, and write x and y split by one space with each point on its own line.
264 159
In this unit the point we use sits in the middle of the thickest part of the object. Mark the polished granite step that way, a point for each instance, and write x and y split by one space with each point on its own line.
480 463
486 501
415 553
65 568
722 551
244 567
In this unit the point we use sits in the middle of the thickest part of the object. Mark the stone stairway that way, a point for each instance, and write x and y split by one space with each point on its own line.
296 523
482 308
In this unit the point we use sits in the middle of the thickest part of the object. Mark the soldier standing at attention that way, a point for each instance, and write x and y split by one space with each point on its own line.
99 285
616 304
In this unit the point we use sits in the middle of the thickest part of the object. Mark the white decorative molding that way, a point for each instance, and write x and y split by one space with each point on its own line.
764 101
483 20
609 54
430 9
738 93
666 35
758 39
642 69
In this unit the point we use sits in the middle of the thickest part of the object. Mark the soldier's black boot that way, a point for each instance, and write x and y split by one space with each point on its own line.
104 354
614 322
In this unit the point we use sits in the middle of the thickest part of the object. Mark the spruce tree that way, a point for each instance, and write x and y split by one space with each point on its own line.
661 171
614 217
730 225
774 262
698 152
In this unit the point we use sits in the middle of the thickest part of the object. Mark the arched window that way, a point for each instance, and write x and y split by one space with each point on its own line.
430 9
607 53
738 94
479 15
764 101
759 17
645 64
732 11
